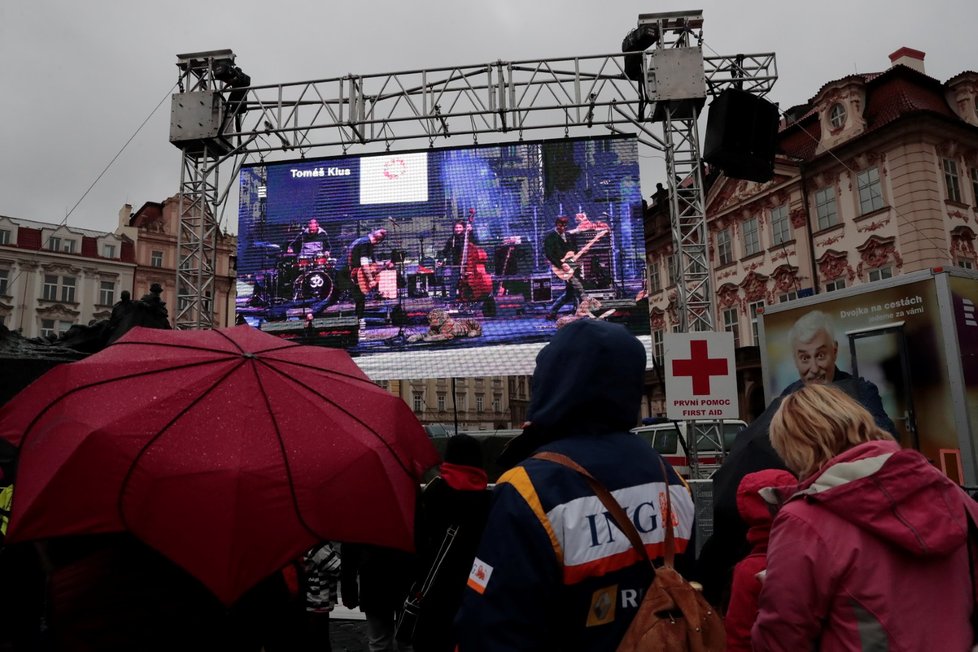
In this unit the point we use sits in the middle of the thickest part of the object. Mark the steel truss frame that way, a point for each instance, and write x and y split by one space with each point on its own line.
495 101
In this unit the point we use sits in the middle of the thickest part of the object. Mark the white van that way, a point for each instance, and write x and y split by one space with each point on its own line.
665 438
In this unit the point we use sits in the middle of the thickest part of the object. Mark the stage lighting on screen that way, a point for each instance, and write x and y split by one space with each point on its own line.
445 262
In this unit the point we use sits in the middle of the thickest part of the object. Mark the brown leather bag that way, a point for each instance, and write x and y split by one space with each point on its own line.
673 616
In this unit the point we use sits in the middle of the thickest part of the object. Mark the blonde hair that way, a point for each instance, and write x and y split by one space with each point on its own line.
816 423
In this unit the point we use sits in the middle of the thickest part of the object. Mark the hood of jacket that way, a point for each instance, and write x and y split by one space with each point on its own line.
588 380
894 494
756 511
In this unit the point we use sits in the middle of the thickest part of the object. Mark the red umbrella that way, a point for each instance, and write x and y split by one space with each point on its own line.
229 451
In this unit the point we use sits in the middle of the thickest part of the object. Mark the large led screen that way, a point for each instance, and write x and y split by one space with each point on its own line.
444 262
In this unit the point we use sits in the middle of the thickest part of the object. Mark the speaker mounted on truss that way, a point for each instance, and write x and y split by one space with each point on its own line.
741 135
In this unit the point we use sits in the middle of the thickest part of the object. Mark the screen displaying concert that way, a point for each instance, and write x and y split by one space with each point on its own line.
444 262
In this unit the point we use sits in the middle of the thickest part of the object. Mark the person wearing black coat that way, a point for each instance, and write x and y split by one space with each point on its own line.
377 580
458 497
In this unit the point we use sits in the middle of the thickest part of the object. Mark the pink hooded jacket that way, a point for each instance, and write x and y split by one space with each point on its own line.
758 514
869 554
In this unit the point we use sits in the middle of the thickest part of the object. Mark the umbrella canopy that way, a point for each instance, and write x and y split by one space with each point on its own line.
229 451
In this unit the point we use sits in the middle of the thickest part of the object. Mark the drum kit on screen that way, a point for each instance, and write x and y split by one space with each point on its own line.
291 277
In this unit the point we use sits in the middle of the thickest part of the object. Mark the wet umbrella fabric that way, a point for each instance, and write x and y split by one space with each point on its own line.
229 451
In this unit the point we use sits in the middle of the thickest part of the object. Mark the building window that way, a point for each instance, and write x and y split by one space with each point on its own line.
672 261
50 327
480 402
974 192
497 402
837 284
655 279
951 181
441 401
106 293
724 248
880 273
731 324
4 279
870 191
418 401
156 259
964 263
752 240
460 401
658 349
752 309
825 207
5 235
56 243
68 289
108 251
55 291
837 115
780 225
50 291
787 296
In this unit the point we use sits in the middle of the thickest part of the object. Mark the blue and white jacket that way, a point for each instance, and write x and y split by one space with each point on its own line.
553 571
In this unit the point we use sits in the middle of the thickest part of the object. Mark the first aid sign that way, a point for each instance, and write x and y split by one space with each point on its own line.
701 376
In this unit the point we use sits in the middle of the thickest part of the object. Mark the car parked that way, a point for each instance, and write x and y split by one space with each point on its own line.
669 438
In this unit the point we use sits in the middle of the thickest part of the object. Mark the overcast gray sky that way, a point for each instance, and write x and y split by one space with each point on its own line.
77 78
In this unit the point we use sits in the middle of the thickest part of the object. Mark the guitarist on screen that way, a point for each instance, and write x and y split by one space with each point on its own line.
556 246
560 248
358 272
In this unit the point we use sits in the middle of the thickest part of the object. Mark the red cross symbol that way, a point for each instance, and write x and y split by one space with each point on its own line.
700 367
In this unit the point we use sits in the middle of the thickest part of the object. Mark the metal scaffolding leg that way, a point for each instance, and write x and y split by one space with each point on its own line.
197 241
688 217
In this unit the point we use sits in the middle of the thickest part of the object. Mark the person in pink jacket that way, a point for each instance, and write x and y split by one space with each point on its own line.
757 514
871 551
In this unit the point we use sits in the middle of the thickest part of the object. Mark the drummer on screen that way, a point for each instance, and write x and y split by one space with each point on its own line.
311 241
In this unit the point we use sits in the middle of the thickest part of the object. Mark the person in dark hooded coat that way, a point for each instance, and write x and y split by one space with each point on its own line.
458 497
552 571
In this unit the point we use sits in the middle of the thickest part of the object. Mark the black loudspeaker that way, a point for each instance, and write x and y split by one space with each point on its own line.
741 134
540 290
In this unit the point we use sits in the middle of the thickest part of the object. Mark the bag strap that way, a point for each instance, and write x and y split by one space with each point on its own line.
446 543
615 509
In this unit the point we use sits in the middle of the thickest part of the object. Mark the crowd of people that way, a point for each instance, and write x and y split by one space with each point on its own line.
841 538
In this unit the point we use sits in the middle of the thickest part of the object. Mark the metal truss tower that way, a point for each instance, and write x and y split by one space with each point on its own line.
197 117
217 117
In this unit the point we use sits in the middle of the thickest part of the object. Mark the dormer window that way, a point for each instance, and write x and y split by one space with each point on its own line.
837 115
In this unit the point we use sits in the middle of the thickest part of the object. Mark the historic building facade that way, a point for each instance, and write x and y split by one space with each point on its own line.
876 176
53 276
154 228
481 403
